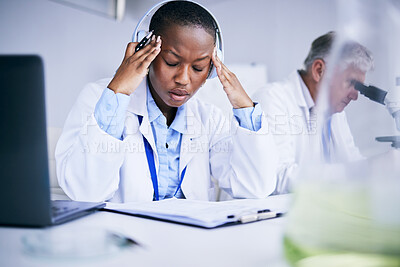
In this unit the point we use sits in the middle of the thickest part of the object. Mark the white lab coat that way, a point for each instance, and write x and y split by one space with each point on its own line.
295 133
94 166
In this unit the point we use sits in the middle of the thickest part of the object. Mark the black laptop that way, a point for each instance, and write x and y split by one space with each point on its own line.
24 174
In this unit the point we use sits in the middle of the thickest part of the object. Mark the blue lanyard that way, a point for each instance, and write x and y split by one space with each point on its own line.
152 166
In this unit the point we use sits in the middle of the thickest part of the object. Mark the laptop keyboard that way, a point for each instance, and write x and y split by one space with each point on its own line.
65 210
58 209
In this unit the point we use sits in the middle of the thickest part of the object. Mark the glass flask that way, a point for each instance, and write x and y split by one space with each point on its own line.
346 201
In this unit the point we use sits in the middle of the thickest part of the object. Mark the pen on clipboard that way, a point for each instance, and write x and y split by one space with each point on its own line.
260 215
143 42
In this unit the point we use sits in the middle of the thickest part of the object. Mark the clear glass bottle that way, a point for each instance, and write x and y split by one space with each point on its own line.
346 209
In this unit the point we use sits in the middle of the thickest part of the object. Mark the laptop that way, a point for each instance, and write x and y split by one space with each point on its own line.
24 173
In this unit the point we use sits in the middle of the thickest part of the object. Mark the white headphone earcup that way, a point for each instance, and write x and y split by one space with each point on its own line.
213 71
220 55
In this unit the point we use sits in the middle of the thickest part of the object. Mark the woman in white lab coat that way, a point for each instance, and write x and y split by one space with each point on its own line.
113 133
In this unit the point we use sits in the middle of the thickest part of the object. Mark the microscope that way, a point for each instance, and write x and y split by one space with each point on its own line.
392 102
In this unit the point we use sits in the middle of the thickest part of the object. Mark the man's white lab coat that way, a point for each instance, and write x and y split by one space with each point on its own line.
295 132
94 166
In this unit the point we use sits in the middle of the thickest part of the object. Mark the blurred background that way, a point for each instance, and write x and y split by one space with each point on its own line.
83 41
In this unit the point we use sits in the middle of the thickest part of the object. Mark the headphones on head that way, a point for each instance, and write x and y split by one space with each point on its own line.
140 33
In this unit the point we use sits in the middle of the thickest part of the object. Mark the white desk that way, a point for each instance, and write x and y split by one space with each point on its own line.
164 244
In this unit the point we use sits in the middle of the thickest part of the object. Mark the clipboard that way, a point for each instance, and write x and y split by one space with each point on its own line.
199 213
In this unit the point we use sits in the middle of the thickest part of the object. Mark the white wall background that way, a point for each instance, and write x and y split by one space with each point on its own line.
79 47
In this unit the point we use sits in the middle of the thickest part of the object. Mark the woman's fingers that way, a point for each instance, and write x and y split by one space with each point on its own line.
151 51
231 84
134 67
223 79
132 55
224 74
130 49
147 49
151 56
142 59
218 66
227 72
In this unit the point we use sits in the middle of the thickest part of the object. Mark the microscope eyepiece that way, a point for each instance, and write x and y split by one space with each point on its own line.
372 92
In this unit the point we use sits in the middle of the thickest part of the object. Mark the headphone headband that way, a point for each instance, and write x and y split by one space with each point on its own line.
219 40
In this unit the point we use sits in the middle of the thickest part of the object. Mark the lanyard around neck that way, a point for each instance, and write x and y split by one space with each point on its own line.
152 166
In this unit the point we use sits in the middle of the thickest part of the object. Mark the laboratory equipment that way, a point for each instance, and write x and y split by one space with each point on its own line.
345 212
391 101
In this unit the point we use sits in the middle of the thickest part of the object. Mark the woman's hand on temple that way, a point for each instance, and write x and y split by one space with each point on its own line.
231 84
134 66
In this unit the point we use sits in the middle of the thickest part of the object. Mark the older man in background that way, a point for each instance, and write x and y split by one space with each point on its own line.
290 107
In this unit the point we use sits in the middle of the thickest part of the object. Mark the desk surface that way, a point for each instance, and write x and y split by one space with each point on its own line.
164 244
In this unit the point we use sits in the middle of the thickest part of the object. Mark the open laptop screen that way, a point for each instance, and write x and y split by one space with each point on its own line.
24 184
24 175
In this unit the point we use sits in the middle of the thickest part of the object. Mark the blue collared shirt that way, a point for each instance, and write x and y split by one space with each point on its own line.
110 114
168 144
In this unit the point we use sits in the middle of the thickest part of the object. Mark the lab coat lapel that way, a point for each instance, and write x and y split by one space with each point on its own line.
309 128
299 96
138 106
297 92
